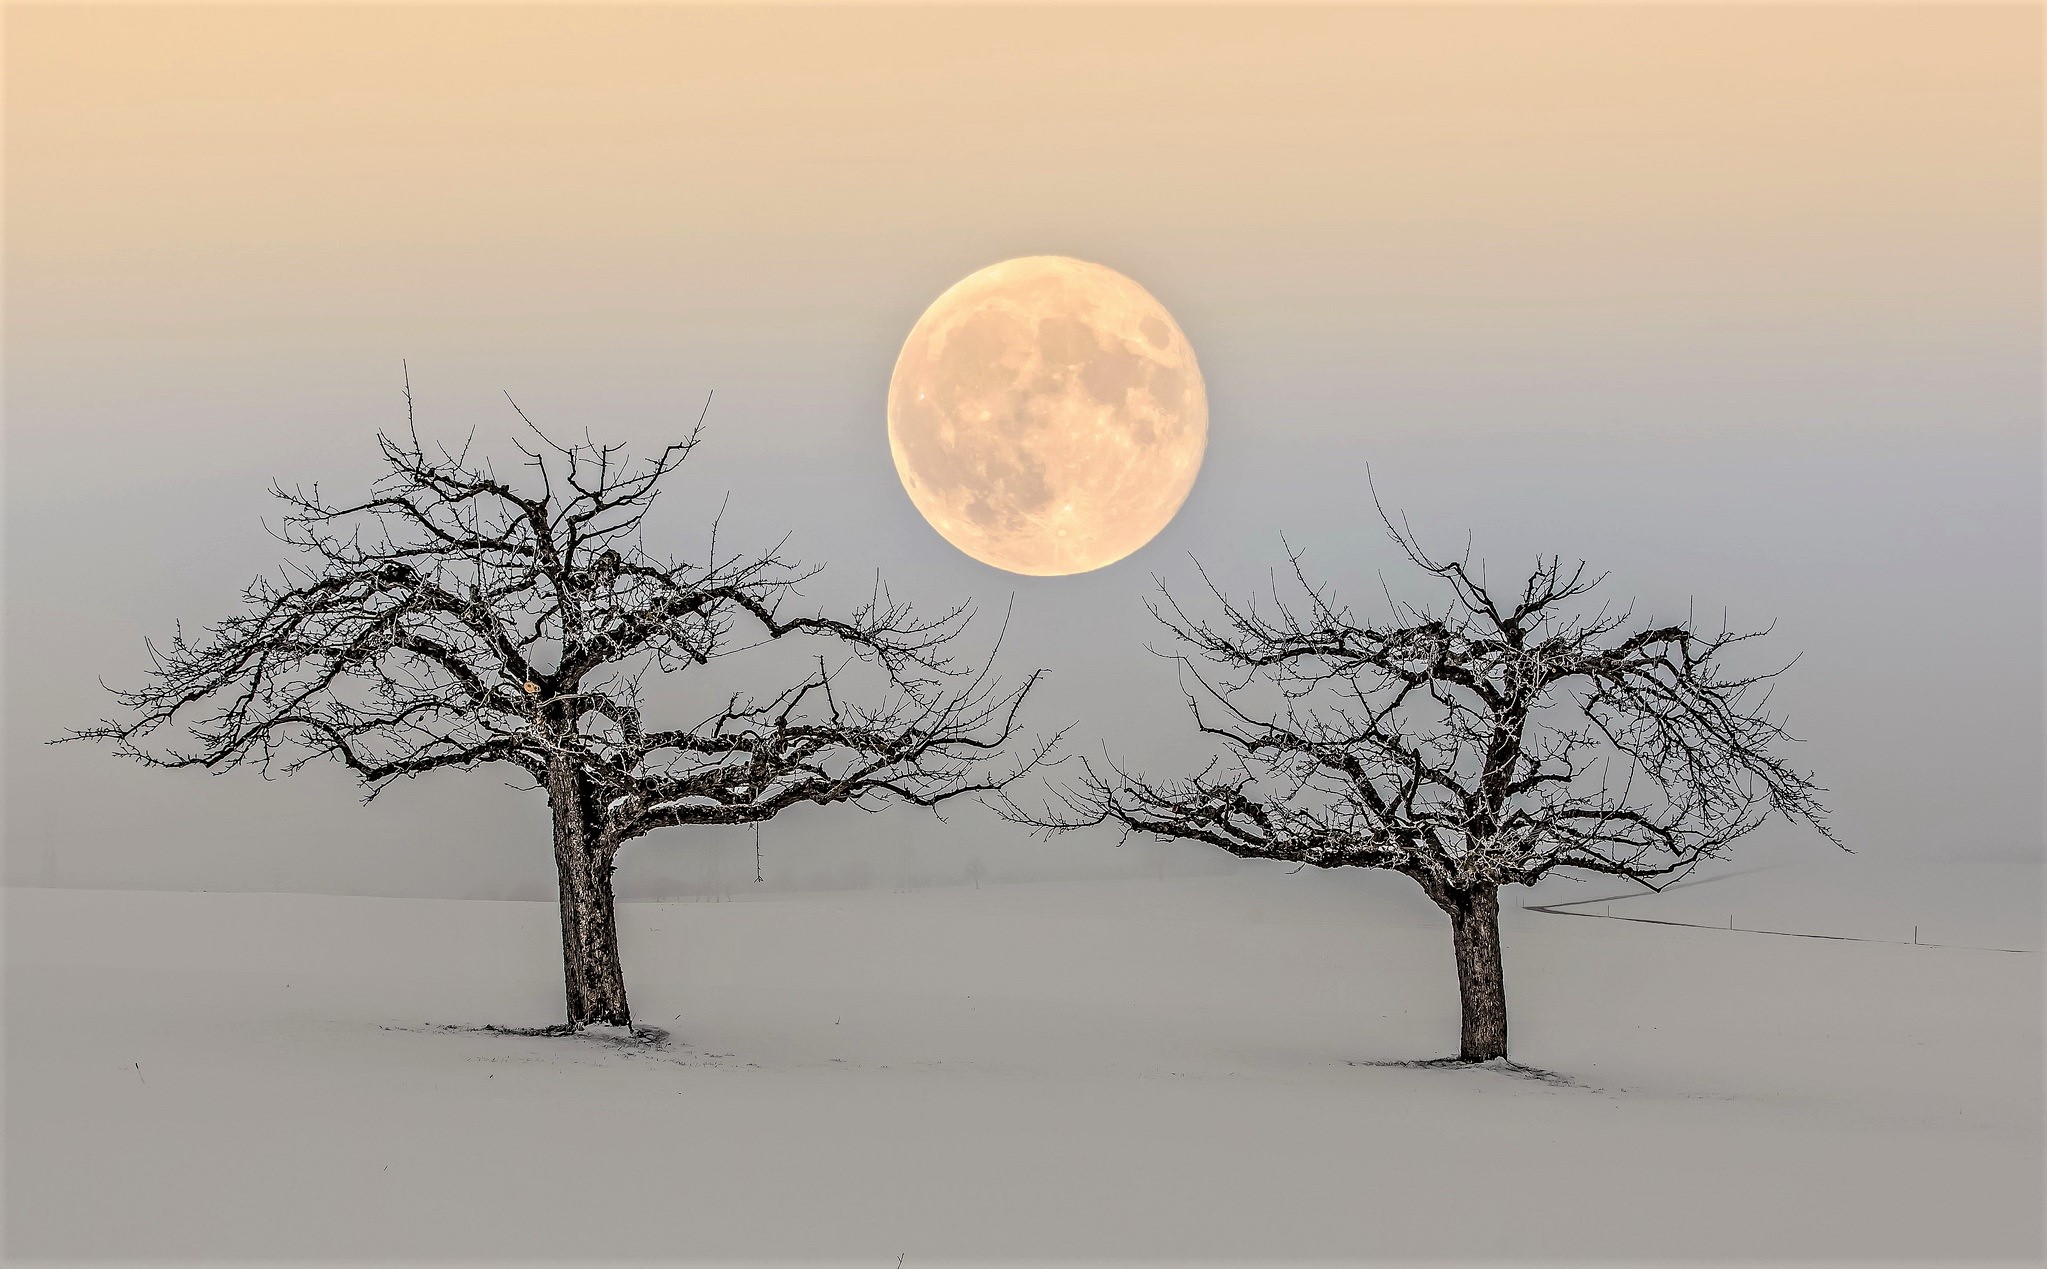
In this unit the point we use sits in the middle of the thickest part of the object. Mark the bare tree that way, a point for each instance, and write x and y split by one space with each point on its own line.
453 618
1474 745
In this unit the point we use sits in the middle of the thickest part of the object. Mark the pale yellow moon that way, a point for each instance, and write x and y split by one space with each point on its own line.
1047 416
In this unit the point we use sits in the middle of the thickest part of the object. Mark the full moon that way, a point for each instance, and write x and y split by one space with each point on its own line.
1047 416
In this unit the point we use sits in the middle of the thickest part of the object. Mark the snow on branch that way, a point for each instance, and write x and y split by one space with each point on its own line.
1479 742
455 616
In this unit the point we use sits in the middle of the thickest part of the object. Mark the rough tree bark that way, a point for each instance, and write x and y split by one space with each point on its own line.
1478 743
452 618
593 973
1481 983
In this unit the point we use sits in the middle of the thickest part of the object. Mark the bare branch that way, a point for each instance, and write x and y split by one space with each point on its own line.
1481 744
452 617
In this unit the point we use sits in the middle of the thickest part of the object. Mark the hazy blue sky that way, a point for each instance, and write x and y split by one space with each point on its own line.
1742 304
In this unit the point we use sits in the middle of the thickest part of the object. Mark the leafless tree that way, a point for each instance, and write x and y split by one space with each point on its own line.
1472 745
452 618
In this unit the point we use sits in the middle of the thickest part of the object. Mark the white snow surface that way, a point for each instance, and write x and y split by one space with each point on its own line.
1163 1070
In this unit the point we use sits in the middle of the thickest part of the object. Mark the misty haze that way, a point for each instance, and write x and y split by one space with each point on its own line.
697 633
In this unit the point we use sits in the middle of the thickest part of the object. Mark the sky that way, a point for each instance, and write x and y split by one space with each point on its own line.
1742 304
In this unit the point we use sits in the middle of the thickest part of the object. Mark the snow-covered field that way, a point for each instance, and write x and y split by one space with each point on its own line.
1134 1069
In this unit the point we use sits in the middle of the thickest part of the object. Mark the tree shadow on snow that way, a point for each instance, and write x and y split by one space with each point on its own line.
639 1037
653 1044
1503 1065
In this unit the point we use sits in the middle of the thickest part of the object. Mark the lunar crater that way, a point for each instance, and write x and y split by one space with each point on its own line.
1047 416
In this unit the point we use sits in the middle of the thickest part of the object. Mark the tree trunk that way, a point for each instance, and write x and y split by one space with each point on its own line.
582 859
1482 987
